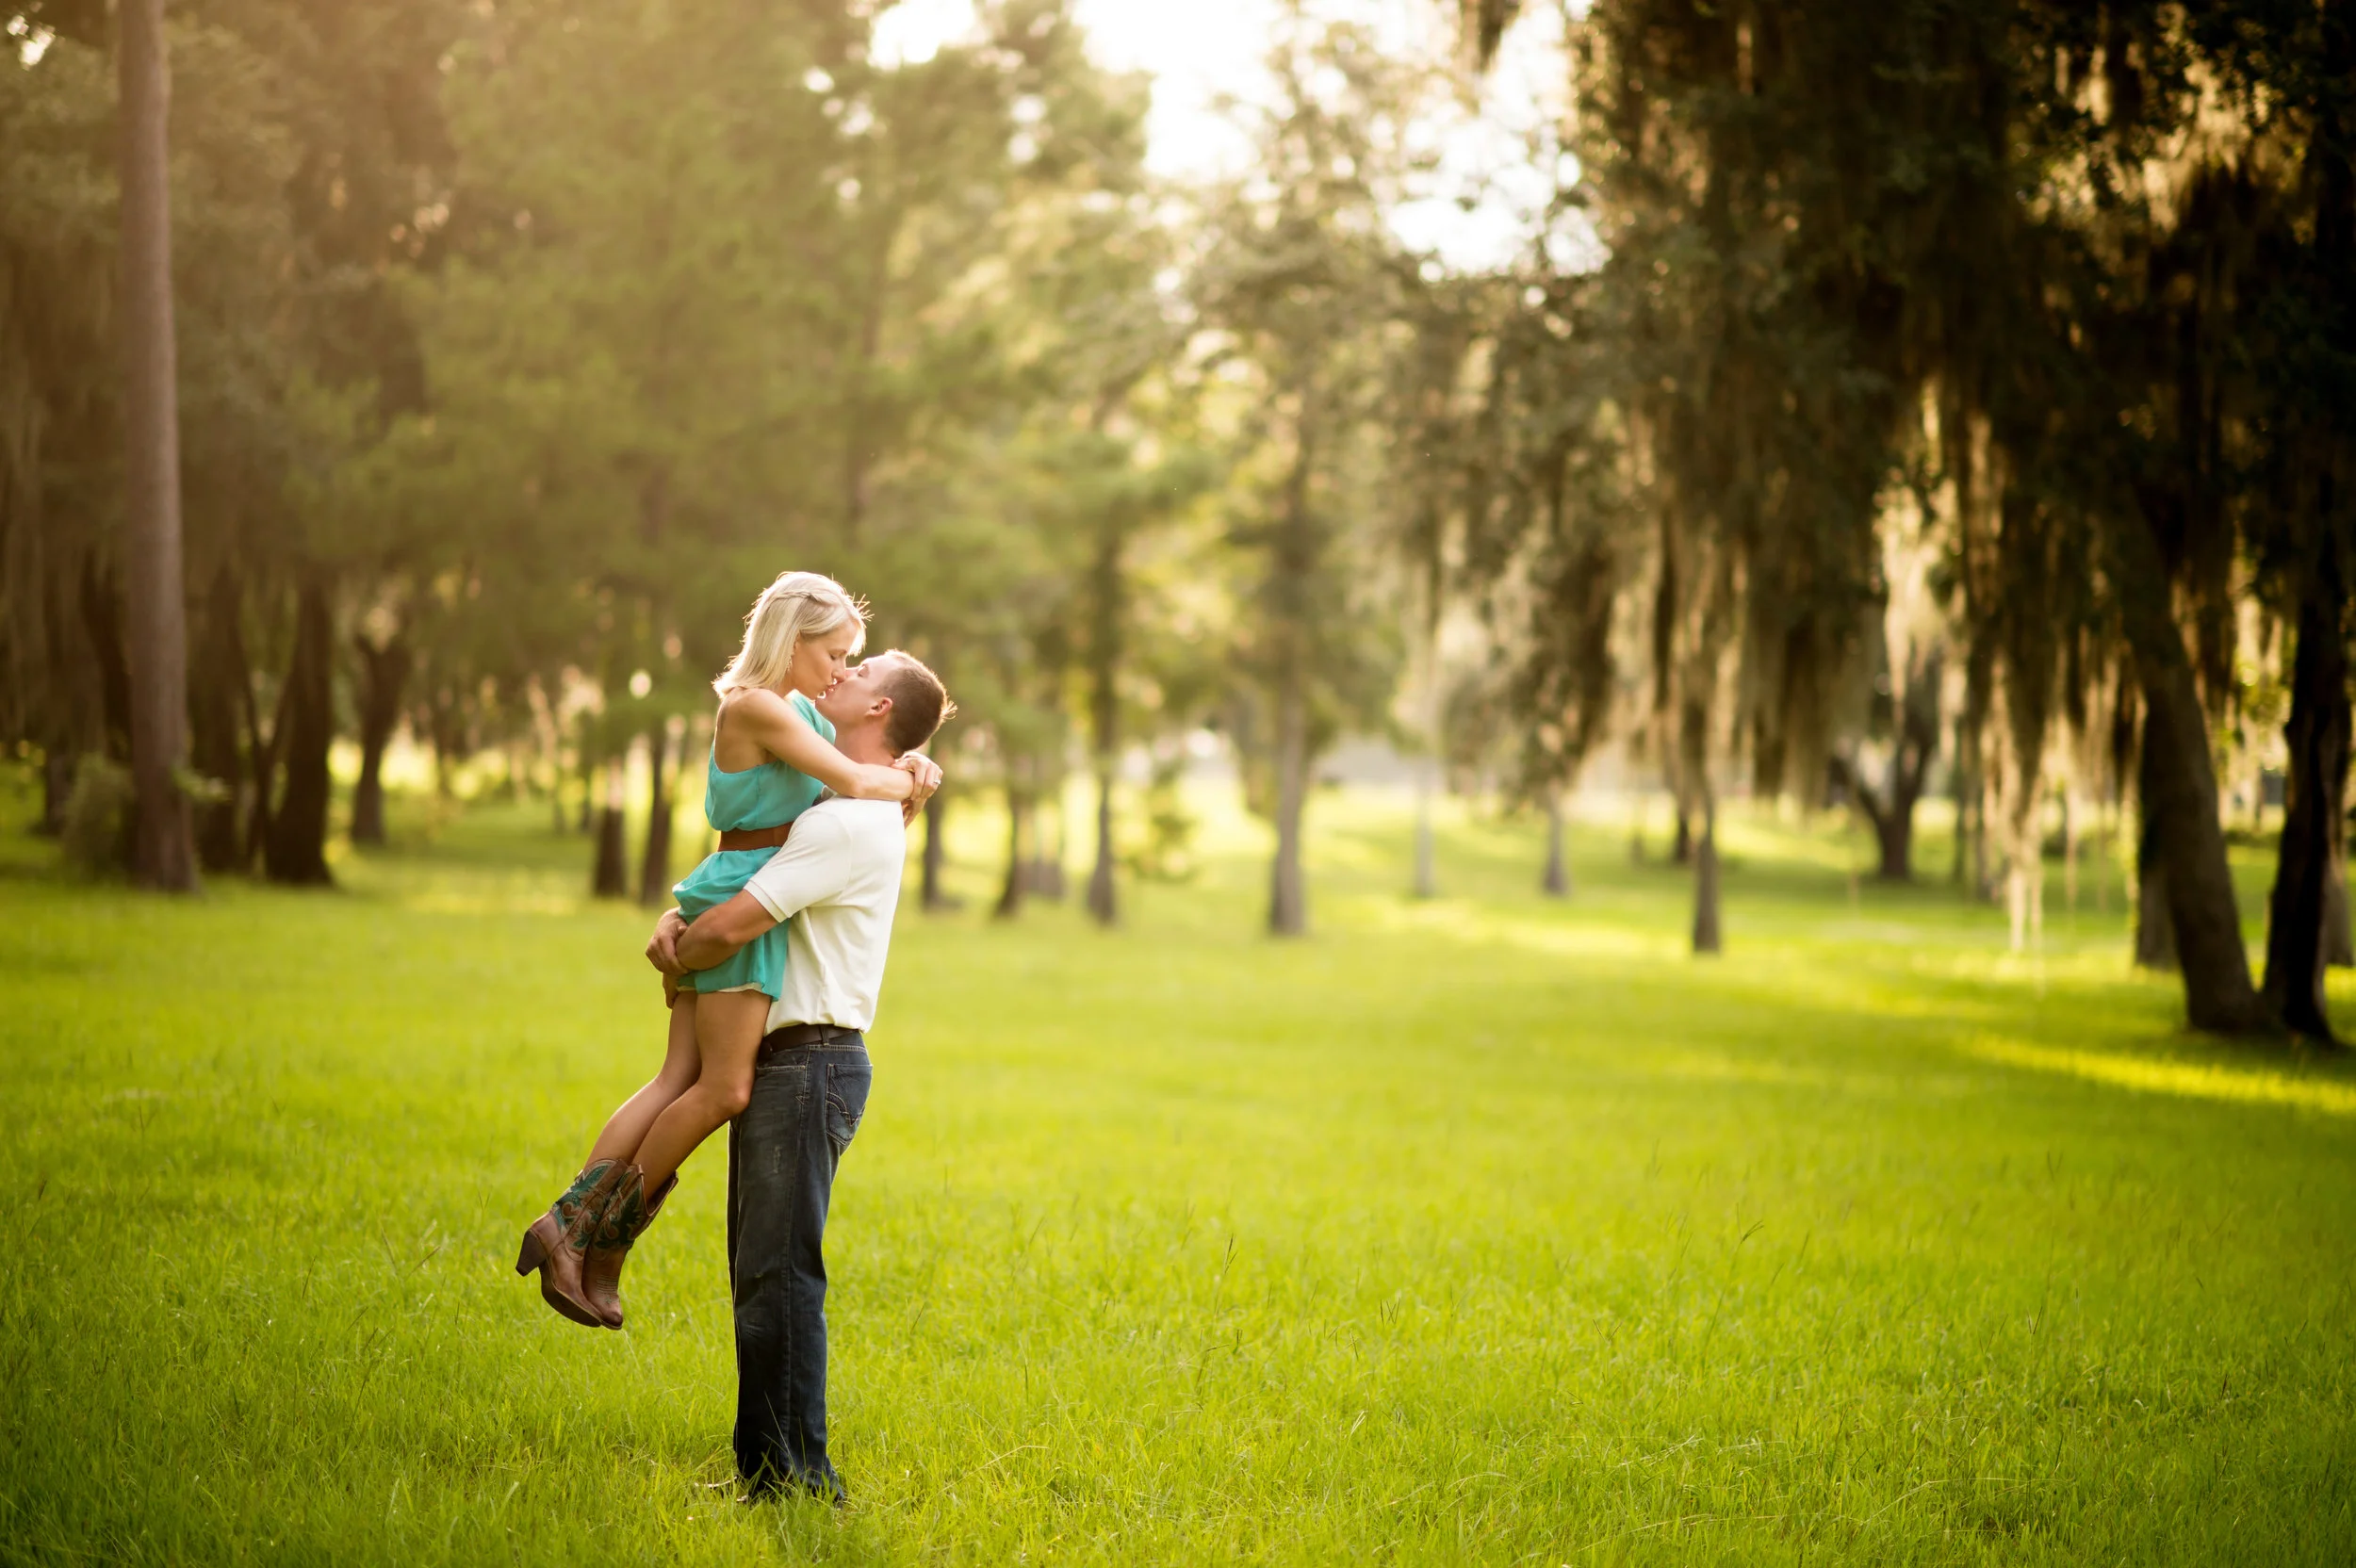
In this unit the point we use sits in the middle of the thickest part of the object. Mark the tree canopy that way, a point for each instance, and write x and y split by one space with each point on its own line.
1948 397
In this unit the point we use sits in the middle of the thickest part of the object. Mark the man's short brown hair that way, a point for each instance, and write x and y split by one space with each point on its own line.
920 703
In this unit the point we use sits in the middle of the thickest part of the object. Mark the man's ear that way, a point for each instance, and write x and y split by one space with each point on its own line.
880 708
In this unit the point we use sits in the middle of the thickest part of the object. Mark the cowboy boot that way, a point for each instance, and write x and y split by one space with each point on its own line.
625 1219
556 1242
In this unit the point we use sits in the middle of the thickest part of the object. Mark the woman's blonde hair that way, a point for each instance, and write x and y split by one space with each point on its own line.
797 605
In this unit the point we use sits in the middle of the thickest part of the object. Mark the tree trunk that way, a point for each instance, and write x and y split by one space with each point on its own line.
2155 933
56 783
267 748
552 746
214 705
1893 835
2314 784
1983 884
1044 878
1292 571
1427 868
163 849
1104 897
2180 805
101 620
2319 750
1427 865
452 738
1555 881
1976 771
936 852
1707 934
2336 252
654 870
2069 850
609 877
383 672
1963 787
1681 847
1288 908
1010 895
295 852
2338 953
1892 822
1108 602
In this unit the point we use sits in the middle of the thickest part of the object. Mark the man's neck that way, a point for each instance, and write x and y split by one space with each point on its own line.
865 744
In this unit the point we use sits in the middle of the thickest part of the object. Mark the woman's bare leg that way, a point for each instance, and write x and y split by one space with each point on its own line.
728 1026
681 1064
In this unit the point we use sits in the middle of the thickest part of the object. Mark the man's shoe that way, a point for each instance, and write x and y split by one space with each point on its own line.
770 1487
556 1243
625 1220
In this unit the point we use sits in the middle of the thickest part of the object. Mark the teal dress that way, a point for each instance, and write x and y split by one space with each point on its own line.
770 795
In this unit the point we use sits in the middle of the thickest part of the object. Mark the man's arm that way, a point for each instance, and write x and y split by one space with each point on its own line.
677 947
719 931
810 869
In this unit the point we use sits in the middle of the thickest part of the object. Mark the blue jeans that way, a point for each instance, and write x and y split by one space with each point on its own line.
782 1153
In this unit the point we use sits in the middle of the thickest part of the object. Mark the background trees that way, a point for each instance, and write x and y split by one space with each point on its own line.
1893 399
1992 280
1300 280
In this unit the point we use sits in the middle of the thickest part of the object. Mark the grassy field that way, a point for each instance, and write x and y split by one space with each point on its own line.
1480 1229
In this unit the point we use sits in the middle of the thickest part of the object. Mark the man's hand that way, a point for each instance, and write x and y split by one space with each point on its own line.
716 934
662 947
925 773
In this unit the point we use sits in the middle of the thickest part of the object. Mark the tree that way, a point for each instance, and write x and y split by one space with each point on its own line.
1301 278
385 663
1980 246
272 319
2306 388
163 854
64 688
1905 715
1119 498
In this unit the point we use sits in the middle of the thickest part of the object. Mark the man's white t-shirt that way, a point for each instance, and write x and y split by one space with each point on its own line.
837 880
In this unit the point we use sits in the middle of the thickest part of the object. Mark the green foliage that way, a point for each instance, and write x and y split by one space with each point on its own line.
2055 291
95 835
1301 286
1167 852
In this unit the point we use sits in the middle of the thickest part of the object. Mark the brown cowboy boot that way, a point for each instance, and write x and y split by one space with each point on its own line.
556 1242
625 1219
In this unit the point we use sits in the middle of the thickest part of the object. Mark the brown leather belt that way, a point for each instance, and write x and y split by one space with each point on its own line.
754 837
802 1037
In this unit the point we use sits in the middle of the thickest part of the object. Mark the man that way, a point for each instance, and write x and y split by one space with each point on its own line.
838 881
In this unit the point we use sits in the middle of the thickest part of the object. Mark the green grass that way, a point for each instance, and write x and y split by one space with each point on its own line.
1479 1229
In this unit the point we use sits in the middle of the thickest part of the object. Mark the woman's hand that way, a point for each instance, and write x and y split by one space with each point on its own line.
924 774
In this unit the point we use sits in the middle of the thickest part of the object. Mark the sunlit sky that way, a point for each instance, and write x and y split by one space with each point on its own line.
1198 50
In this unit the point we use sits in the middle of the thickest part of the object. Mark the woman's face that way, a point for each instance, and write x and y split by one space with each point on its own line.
821 660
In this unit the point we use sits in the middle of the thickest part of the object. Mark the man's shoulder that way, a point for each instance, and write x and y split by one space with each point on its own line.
849 809
863 821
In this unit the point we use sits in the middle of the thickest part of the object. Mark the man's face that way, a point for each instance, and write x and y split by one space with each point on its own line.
855 693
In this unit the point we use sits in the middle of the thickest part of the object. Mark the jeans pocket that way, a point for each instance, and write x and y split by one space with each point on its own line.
846 1102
